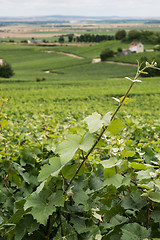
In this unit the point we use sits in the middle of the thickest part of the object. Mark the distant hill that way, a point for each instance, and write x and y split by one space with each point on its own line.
80 19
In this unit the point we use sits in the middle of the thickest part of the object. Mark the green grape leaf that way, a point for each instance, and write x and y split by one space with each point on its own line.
144 174
79 224
115 180
126 101
4 123
68 171
110 162
107 119
109 172
95 182
139 166
98 237
41 207
1 220
157 183
118 220
134 201
155 215
80 197
48 169
94 122
68 148
154 196
87 142
68 231
134 231
26 224
126 153
57 199
115 126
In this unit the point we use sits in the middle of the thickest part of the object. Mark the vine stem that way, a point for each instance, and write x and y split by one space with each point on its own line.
104 128
5 150
149 207
4 141
49 226
1 107
44 125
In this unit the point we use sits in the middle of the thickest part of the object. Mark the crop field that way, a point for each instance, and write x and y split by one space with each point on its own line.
45 30
132 58
78 159
71 78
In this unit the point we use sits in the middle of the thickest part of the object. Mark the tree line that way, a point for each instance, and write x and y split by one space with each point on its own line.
94 38
144 36
87 38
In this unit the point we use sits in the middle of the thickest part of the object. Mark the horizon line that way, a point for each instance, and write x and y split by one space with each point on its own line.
79 16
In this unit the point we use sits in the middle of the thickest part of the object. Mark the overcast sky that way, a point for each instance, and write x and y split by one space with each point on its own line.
126 8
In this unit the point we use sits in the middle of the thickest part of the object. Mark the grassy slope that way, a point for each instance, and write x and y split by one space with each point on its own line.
132 58
93 50
76 86
30 62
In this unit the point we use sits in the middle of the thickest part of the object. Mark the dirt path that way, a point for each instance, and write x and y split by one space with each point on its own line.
96 60
121 63
64 53
93 61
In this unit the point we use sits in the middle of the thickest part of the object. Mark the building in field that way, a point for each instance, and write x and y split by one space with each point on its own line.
136 47
124 52
33 41
1 61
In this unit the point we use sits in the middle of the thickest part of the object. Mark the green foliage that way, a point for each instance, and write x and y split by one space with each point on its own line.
105 54
93 179
134 231
95 121
61 39
40 79
120 35
144 36
94 38
151 72
70 38
6 70
157 47
134 35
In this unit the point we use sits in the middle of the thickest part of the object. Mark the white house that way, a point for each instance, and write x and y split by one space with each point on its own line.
1 62
136 47
34 41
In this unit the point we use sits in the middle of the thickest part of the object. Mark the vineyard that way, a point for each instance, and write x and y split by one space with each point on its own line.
80 149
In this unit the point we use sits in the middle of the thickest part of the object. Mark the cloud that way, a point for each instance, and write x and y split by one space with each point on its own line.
80 7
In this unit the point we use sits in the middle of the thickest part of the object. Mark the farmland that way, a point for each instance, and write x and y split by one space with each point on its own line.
72 79
46 145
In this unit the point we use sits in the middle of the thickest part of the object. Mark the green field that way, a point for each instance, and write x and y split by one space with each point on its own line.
73 84
63 177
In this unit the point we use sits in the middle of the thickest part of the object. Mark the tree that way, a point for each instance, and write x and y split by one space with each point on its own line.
134 35
6 70
61 39
121 34
70 38
106 54
119 50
